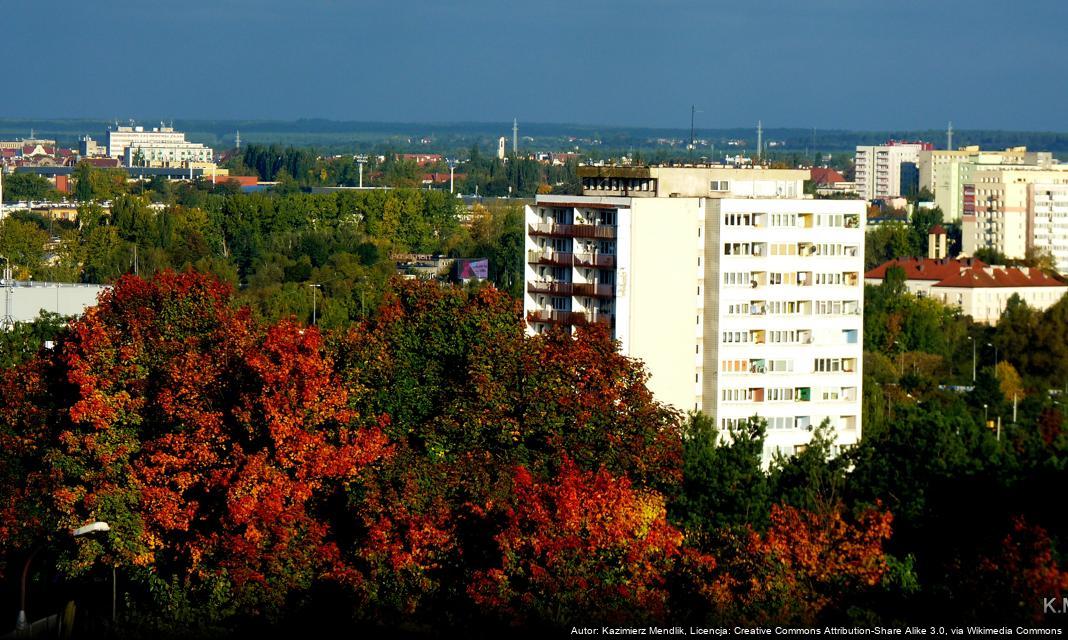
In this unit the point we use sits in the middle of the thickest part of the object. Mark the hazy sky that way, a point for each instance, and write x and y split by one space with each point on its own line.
851 64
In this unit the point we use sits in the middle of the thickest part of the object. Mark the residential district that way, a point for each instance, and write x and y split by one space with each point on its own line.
254 390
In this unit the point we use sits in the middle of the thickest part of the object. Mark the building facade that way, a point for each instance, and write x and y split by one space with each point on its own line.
979 290
945 173
1048 218
999 209
887 170
737 305
158 147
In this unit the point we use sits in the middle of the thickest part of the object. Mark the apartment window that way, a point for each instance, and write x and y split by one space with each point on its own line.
720 185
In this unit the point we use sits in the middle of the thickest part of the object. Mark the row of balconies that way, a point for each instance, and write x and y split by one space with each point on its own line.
553 316
567 259
556 230
571 289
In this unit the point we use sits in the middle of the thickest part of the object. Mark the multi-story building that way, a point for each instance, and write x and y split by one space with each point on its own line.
944 173
160 146
979 290
741 297
1048 220
999 213
887 170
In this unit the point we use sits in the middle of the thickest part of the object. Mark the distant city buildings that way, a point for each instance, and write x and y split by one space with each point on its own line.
887 170
741 296
945 173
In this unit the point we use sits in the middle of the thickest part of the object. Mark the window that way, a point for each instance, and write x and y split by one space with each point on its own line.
720 185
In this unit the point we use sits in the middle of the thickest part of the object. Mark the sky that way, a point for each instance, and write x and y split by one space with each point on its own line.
829 64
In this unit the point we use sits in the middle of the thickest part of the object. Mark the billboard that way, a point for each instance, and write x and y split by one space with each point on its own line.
472 269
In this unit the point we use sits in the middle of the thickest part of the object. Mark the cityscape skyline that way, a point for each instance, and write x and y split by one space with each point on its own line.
828 64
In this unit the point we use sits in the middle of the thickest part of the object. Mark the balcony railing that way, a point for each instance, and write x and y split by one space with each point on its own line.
569 317
571 289
595 260
558 258
552 229
552 288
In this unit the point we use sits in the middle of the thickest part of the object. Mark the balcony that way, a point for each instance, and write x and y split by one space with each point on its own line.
594 290
555 230
557 258
595 260
569 317
551 287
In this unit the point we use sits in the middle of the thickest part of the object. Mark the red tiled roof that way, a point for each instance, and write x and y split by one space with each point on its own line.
969 273
823 175
977 277
925 268
938 230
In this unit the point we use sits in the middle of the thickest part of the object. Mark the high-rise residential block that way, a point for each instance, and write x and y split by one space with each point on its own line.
887 171
741 297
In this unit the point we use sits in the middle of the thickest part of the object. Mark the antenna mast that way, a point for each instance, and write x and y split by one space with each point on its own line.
515 136
760 141
949 136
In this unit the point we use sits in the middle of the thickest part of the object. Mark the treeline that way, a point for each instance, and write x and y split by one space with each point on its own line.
435 469
288 251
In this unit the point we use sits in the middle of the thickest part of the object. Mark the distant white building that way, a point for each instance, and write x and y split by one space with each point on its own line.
882 171
160 146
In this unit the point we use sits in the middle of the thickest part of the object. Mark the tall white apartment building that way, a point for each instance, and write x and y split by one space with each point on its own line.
878 169
999 209
737 305
1048 217
162 145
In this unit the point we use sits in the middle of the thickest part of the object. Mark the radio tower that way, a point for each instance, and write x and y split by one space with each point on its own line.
237 140
949 136
515 136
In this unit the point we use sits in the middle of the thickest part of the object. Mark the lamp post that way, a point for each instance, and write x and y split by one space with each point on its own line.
314 287
991 344
985 416
972 340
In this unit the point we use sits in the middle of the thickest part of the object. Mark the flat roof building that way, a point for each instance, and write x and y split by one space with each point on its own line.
740 296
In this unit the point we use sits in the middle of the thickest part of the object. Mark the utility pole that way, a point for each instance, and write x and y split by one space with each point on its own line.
693 110
760 141
452 173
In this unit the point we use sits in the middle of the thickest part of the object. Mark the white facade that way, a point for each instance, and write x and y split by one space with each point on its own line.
877 169
26 300
166 155
696 286
785 335
1048 212
162 143
999 209
945 173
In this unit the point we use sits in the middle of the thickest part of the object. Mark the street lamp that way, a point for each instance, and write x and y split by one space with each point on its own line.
991 344
972 340
986 418
315 286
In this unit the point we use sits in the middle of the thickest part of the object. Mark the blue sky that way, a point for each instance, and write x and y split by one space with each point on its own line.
848 64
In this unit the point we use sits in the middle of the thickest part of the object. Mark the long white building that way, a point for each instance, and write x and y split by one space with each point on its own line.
738 305
159 146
